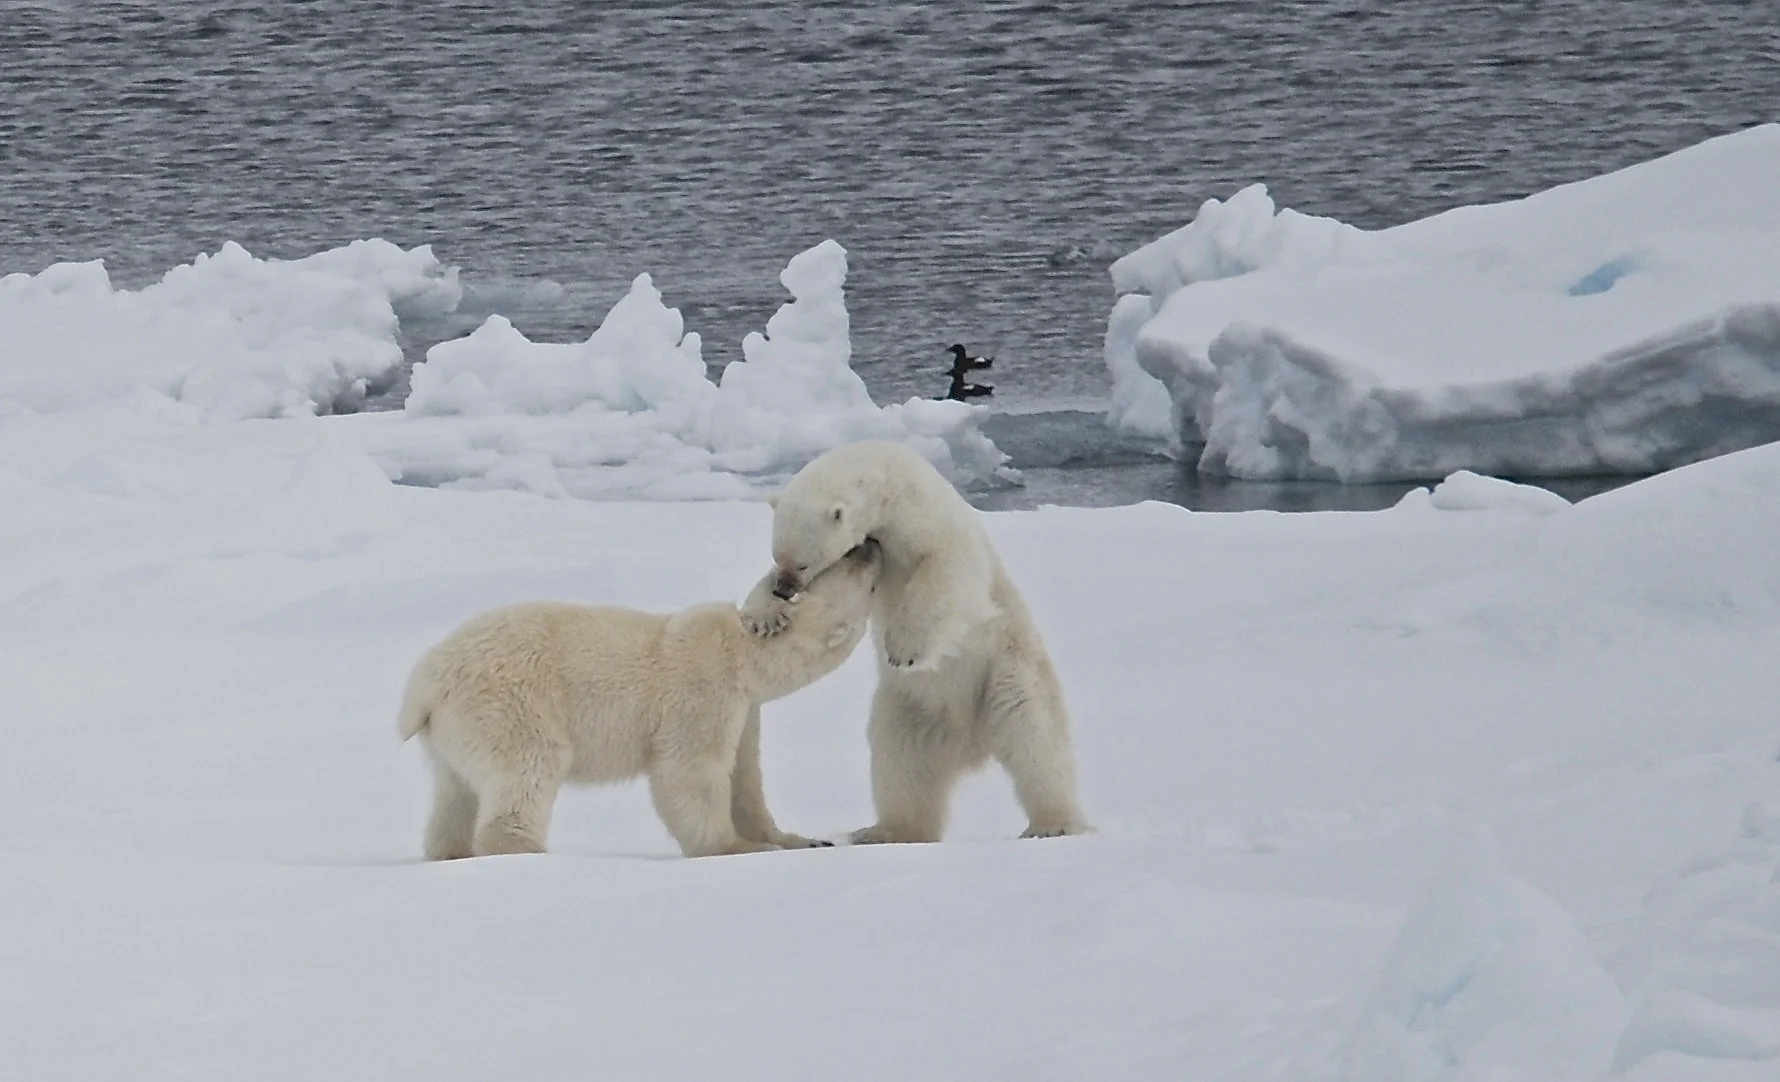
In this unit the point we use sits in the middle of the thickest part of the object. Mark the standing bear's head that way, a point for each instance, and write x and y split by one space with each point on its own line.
828 509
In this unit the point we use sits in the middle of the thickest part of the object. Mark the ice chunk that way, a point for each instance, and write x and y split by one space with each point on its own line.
1624 324
1140 402
639 359
793 395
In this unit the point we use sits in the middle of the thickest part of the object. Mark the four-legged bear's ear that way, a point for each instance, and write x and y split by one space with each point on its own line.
772 499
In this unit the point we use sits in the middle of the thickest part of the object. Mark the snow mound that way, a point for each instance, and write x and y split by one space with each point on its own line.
1689 1024
1687 548
229 335
1489 979
1623 324
1684 546
630 411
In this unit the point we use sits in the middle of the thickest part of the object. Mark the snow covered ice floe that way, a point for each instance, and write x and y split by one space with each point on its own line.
211 832
1624 324
630 411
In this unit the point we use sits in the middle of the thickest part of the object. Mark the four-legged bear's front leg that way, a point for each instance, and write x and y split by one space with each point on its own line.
691 782
748 794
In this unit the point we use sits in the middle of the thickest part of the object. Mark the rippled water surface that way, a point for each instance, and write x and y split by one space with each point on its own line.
982 162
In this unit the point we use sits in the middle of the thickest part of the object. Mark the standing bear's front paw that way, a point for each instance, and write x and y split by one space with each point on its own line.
901 652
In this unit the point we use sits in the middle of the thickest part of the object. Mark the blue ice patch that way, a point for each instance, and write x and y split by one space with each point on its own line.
1601 279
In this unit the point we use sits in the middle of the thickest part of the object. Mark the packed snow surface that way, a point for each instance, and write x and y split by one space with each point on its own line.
1479 787
1624 324
630 411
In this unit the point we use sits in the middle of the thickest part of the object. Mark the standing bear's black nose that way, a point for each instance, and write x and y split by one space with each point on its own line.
787 586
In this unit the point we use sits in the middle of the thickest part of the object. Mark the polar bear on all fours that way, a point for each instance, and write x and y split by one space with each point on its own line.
520 700
963 675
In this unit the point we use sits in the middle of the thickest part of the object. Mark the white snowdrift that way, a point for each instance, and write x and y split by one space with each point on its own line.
210 841
631 411
228 335
1624 324
1489 978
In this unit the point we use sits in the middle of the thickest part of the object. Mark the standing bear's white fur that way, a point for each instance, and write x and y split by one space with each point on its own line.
963 675
522 699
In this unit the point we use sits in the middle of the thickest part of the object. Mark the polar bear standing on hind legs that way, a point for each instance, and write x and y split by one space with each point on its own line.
520 700
963 675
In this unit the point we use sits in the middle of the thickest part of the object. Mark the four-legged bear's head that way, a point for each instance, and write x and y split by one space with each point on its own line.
839 599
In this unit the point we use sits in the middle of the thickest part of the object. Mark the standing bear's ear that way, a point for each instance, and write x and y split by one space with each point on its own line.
772 499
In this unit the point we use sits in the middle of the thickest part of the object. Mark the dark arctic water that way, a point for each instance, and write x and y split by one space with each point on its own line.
981 161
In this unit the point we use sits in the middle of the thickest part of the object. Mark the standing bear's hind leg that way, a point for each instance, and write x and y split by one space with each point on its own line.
1028 728
916 758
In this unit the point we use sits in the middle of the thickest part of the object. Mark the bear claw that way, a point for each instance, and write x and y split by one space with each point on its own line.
766 624
899 659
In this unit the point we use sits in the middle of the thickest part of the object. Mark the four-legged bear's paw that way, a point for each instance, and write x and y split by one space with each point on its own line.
743 845
798 841
879 834
1054 830
767 618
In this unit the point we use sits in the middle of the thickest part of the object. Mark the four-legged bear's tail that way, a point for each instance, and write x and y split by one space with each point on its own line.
417 702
